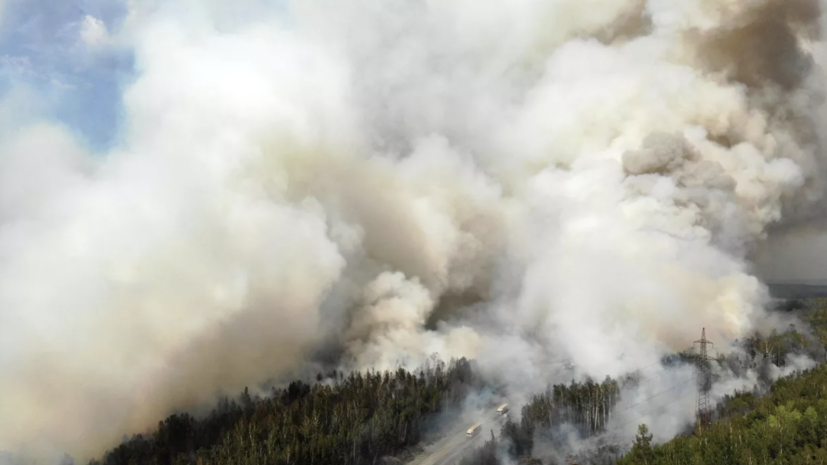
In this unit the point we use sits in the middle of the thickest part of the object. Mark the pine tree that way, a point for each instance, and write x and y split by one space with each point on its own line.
642 449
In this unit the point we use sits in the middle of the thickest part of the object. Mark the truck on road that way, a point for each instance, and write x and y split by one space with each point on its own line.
502 409
473 431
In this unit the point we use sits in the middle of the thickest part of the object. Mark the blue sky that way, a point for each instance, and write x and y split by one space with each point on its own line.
41 46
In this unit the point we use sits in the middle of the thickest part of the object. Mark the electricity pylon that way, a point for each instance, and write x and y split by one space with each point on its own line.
704 375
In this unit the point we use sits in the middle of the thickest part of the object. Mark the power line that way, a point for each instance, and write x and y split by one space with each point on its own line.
657 373
659 362
569 360
655 410
704 384
682 383
703 373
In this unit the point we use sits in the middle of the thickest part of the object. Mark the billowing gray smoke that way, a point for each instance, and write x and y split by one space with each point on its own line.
517 181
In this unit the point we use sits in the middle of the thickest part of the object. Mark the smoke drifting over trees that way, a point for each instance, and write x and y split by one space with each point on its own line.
587 180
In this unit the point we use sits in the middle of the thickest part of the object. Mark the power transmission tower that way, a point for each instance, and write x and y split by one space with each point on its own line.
704 374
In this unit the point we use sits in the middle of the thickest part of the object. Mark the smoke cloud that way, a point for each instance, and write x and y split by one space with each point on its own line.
515 181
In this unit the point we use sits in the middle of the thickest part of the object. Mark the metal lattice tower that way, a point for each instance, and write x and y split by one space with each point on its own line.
704 374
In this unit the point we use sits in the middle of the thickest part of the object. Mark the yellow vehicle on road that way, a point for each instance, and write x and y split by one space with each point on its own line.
474 430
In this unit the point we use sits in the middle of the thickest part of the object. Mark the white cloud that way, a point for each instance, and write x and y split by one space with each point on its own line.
93 31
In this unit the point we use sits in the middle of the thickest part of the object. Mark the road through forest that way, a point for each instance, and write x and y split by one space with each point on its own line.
450 449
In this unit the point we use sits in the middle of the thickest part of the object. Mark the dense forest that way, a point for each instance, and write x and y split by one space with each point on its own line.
773 423
788 426
582 407
361 418
353 419
356 419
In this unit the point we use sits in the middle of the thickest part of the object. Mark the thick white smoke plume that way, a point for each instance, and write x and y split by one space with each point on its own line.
517 181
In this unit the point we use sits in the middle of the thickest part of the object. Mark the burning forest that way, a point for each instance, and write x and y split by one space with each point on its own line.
201 198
